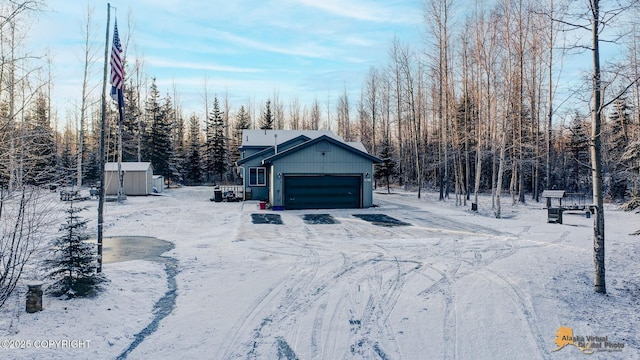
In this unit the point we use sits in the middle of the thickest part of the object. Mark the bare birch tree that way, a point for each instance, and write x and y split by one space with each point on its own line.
89 57
316 114
294 114
23 211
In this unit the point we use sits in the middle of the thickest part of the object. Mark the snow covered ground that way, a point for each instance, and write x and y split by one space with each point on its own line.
451 285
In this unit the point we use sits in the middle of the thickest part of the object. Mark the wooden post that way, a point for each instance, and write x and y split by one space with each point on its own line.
101 157
34 298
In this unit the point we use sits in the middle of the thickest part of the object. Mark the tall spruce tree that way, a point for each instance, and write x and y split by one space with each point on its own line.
73 263
131 128
158 147
577 168
67 160
180 150
618 140
216 146
266 122
387 168
243 122
174 162
193 165
631 157
40 146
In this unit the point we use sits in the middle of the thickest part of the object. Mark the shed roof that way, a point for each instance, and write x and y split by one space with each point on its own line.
264 138
554 194
128 166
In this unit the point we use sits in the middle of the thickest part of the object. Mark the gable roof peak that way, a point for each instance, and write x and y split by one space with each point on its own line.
262 138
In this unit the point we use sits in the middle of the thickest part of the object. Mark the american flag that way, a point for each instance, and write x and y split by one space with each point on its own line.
117 71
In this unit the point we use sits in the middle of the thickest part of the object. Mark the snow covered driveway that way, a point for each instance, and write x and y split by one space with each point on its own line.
452 285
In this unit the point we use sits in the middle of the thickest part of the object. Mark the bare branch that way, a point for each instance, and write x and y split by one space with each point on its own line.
621 93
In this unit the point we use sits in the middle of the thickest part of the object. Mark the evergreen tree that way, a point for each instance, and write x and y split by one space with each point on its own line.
73 262
131 129
158 149
67 160
174 162
41 147
578 169
216 148
631 157
617 143
153 113
180 150
387 168
267 119
208 150
92 169
193 164
243 122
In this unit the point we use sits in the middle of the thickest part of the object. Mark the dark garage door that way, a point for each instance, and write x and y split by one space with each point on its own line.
322 192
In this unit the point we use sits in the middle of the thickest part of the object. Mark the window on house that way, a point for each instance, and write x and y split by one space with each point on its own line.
257 176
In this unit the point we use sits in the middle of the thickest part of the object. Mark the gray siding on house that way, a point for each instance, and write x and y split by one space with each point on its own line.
321 158
262 192
257 192
246 152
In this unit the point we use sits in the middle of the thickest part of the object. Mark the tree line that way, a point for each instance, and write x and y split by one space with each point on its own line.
467 111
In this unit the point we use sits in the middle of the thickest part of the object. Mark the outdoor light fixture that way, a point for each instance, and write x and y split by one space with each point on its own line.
367 175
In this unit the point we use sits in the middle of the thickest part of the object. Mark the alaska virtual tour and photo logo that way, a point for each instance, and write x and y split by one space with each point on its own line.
586 344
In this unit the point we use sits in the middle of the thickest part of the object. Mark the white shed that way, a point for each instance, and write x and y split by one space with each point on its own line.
158 183
137 179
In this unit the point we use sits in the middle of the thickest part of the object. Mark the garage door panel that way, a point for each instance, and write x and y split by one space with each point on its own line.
322 192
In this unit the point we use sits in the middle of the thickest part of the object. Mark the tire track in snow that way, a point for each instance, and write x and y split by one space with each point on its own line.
298 293
436 222
373 326
316 331
446 287
376 332
375 316
256 314
523 303
229 346
297 285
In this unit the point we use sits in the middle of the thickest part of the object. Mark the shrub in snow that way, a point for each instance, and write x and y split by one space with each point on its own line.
72 265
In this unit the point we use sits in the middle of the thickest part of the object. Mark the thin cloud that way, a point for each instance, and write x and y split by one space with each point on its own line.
361 11
308 50
166 63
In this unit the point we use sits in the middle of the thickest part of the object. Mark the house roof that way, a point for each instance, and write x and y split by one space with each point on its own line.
271 149
268 138
334 141
128 166
358 145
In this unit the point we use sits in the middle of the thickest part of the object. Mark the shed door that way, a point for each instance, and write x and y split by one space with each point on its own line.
322 192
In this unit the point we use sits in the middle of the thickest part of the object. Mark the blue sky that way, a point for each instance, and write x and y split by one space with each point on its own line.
245 48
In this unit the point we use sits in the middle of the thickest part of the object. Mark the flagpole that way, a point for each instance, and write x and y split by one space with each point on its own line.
101 157
120 174
117 82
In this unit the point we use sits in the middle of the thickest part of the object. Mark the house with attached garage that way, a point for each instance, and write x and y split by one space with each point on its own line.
305 169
